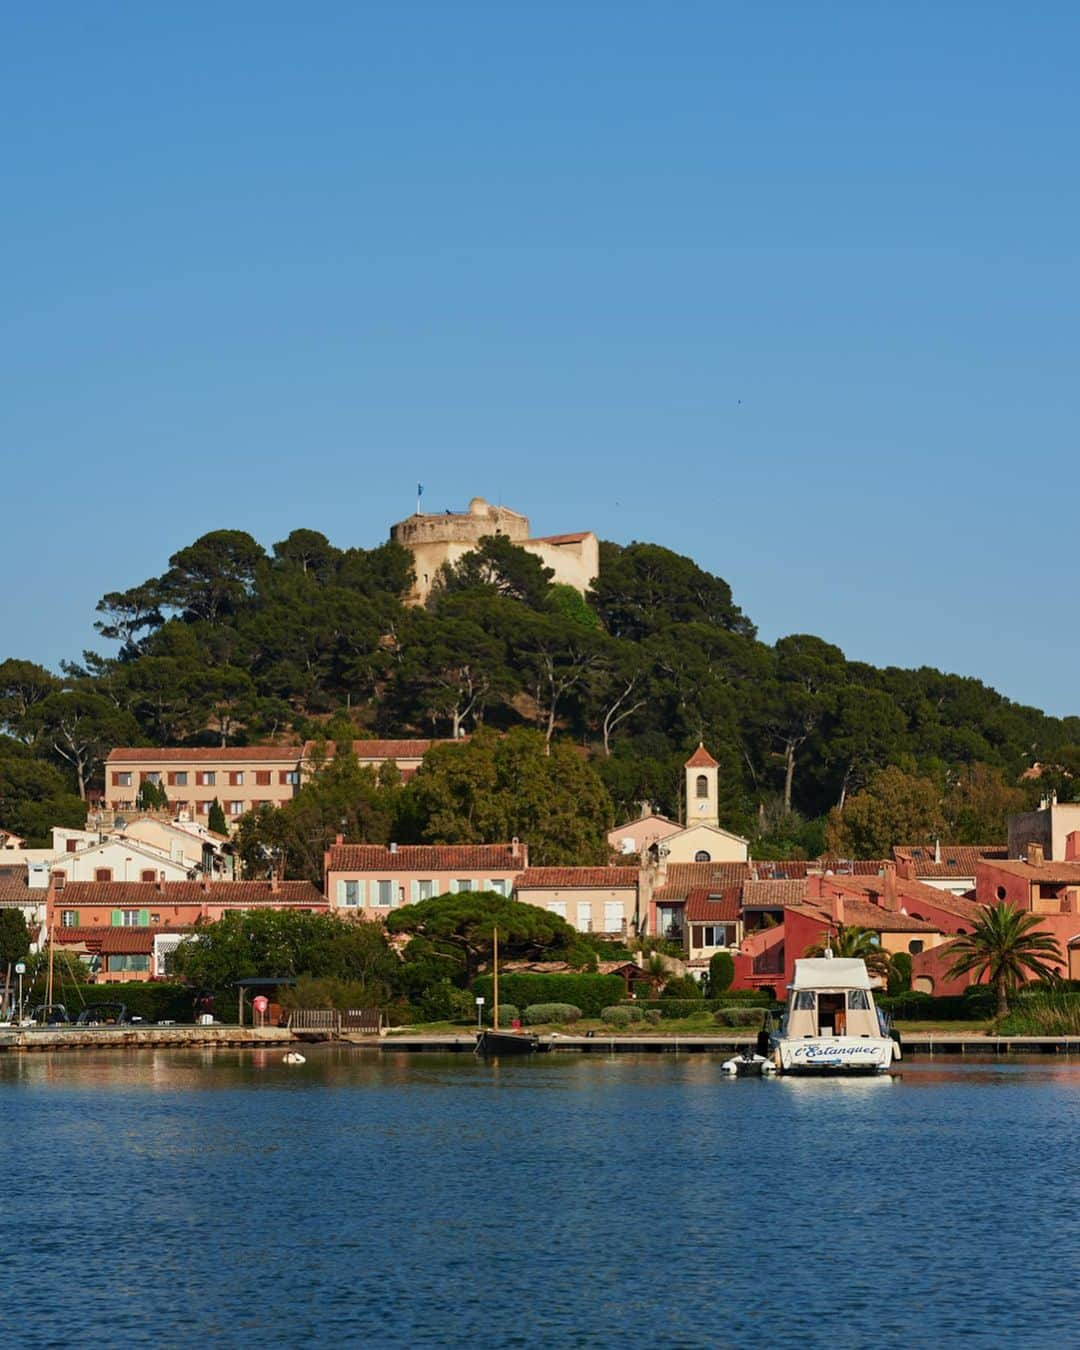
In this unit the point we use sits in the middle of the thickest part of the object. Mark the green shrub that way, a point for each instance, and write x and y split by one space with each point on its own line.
508 1014
681 986
539 1013
152 1001
652 1016
976 1003
590 993
445 1002
900 974
721 973
739 1017
616 1017
642 989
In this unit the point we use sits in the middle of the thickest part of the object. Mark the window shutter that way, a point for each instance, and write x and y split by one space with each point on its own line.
144 918
414 892
117 918
341 892
451 888
487 884
75 916
361 894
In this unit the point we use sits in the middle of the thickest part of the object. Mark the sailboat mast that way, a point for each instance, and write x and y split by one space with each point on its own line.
495 978
49 982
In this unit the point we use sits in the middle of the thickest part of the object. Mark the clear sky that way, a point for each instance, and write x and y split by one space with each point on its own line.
790 288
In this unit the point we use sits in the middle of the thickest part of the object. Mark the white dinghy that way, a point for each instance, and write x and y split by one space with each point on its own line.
831 1024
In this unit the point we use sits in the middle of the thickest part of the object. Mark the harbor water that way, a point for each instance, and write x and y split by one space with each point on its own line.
223 1197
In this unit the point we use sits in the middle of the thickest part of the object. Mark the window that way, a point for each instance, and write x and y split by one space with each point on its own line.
425 890
262 777
152 777
289 777
805 1000
386 894
858 1000
148 874
701 787
202 808
915 946
206 778
71 845
129 962
155 918
716 935
501 887
703 855
1000 892
236 808
351 895
584 916
69 918
465 885
121 779
236 778
181 805
129 918
103 874
613 916
178 779
557 907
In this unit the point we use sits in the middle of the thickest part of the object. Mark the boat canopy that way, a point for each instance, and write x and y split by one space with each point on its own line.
837 972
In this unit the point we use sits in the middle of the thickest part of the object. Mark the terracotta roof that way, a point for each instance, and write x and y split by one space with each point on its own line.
701 759
956 860
863 914
381 750
426 857
911 894
145 894
171 754
15 890
567 878
710 906
682 878
1066 873
774 893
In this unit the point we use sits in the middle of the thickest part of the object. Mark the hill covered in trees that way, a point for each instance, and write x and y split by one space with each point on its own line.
231 645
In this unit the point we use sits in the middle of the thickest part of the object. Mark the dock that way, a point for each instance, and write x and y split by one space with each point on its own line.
16 1040
922 1043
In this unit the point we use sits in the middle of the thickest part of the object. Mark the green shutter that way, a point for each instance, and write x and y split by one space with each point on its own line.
75 915
117 918
414 892
144 918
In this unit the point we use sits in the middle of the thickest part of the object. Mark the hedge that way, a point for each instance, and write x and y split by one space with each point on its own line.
975 1004
540 1014
685 1007
151 1001
739 1017
590 993
622 1014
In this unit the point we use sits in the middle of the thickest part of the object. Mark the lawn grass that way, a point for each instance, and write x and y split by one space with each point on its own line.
980 1028
699 1024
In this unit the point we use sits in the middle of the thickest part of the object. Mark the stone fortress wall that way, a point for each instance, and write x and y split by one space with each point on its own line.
437 539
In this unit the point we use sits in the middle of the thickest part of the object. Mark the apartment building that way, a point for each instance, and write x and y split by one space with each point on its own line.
369 880
241 778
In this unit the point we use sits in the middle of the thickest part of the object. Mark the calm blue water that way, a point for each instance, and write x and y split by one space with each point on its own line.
185 1198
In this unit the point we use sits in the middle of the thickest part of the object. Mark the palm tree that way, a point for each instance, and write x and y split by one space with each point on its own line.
860 944
1003 946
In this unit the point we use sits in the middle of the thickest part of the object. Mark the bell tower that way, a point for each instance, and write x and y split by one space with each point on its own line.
702 789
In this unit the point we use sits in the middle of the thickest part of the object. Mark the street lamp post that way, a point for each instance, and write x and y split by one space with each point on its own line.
479 1013
20 970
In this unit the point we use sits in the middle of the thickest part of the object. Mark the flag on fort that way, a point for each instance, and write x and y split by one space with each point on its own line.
419 489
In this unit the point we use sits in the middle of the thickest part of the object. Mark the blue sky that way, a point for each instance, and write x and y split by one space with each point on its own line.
788 288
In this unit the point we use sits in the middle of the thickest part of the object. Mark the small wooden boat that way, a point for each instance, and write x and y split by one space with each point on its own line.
492 1041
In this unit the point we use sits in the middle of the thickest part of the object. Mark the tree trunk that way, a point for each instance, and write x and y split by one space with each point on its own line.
1002 999
789 773
7 991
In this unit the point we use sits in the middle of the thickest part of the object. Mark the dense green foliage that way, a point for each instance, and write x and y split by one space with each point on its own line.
721 973
234 644
590 993
543 1014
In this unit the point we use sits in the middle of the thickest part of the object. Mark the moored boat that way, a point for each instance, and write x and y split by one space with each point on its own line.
831 1024
492 1041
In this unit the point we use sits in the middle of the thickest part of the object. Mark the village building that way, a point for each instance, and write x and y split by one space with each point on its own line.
1049 827
443 538
946 867
239 778
117 858
370 880
601 900
406 755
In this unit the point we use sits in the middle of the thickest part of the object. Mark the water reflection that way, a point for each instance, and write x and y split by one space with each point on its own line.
393 1199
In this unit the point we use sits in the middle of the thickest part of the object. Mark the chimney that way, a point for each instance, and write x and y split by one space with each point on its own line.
837 905
275 883
1072 846
889 899
1035 855
393 847
937 851
339 839
205 883
515 847
161 881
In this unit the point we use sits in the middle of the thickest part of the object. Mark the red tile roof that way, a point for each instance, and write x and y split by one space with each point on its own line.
567 878
427 857
774 893
956 860
1064 873
682 878
380 750
701 759
706 906
863 914
171 754
147 894
15 890
911 894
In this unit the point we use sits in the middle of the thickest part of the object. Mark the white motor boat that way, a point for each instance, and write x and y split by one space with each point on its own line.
832 1024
